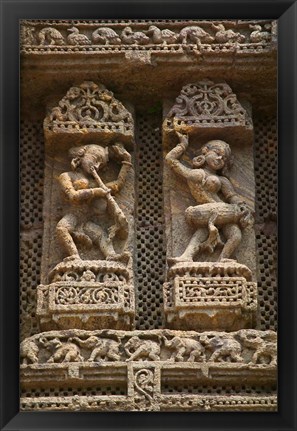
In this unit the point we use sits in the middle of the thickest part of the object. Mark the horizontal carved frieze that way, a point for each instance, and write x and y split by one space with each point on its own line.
164 403
247 346
91 36
143 364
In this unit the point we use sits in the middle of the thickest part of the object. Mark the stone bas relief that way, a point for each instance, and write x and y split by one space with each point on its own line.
92 284
208 36
93 347
143 362
230 213
207 288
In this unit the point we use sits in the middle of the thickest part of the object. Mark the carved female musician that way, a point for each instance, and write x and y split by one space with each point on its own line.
90 199
218 204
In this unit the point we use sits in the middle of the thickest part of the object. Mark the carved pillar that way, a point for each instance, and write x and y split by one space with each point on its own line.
87 277
209 206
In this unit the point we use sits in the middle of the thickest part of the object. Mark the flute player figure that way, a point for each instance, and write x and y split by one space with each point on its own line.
219 209
89 200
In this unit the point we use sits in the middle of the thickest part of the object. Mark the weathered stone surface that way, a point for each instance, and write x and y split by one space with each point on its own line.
87 294
165 69
247 354
88 220
211 294
86 354
144 363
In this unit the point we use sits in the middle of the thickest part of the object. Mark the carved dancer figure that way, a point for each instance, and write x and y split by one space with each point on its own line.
90 199
218 204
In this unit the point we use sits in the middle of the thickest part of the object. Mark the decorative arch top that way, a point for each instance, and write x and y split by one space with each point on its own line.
88 111
208 107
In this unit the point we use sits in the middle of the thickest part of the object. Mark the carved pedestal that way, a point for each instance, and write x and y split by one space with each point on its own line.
210 295
87 294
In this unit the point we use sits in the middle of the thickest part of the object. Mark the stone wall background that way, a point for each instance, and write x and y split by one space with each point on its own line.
150 242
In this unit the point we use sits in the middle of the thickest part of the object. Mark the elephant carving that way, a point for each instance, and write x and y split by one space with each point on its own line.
64 352
102 348
29 352
224 348
265 350
138 349
185 349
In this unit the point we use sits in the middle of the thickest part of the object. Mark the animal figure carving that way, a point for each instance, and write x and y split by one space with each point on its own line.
106 36
50 36
137 349
225 348
224 36
164 36
29 352
258 36
75 38
64 352
265 349
194 34
102 348
130 37
185 349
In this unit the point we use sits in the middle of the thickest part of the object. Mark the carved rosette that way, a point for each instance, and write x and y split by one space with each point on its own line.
87 112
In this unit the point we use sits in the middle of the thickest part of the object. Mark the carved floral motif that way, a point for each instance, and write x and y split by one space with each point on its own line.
205 103
89 104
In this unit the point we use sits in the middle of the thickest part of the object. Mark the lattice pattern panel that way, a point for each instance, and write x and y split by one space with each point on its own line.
217 390
66 391
31 223
150 241
266 213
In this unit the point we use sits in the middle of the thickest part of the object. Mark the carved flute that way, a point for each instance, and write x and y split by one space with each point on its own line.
121 221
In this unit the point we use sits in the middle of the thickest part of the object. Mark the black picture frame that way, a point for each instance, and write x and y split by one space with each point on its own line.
286 13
